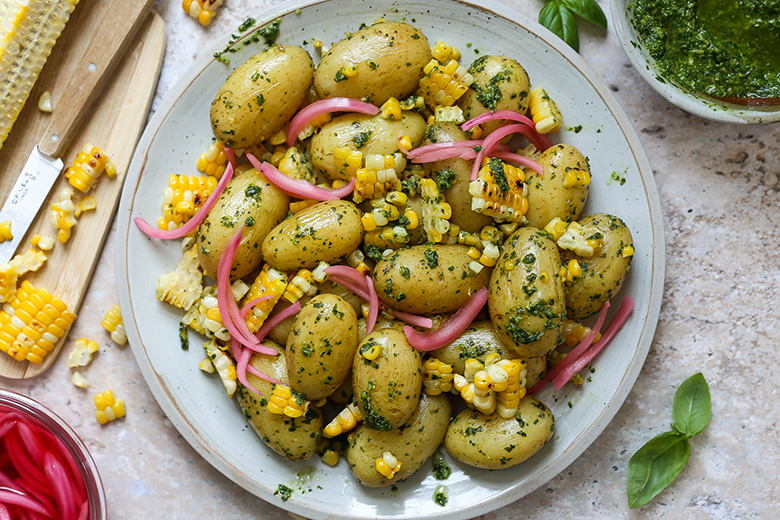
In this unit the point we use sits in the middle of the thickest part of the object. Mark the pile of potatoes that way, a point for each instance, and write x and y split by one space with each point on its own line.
320 349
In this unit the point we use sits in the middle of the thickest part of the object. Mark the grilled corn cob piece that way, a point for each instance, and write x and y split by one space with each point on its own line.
286 401
443 83
302 283
182 287
112 322
348 161
224 366
499 191
437 377
269 282
28 31
202 10
213 161
183 198
378 177
544 111
87 167
436 212
32 323
108 407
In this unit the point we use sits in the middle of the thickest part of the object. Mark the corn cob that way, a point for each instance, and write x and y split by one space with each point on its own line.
81 352
5 231
436 212
87 167
269 282
443 83
347 161
544 111
28 31
224 366
499 191
202 10
509 399
108 407
388 465
112 322
378 177
286 401
345 421
301 284
182 287
19 265
32 322
443 52
183 198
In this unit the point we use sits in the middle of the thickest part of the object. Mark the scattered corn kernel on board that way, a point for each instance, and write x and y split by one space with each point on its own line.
114 124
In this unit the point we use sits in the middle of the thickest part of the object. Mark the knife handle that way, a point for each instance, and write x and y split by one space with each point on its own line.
117 28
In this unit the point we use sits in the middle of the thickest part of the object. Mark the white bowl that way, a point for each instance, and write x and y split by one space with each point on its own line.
695 103
214 425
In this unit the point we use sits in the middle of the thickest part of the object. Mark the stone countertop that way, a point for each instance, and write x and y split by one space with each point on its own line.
719 187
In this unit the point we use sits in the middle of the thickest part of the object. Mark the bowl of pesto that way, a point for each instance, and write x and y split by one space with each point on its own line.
717 59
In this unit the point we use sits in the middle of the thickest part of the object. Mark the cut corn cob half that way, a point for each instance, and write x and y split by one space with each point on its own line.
499 191
28 31
32 323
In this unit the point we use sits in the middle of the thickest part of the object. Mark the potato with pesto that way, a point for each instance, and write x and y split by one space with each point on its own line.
492 442
477 341
261 95
292 438
248 200
321 346
428 279
500 83
411 444
362 133
376 63
325 232
386 379
453 177
562 190
604 267
526 298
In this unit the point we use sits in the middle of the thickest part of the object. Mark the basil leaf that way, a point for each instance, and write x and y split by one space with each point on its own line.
655 465
692 406
587 9
561 21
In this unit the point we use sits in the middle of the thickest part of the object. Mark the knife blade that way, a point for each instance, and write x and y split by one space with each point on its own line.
42 168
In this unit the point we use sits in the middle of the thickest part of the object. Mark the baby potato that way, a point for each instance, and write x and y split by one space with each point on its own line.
477 341
500 83
261 95
364 133
387 388
535 368
604 272
321 346
428 279
527 304
548 197
492 442
248 200
376 63
453 177
294 439
327 231
412 444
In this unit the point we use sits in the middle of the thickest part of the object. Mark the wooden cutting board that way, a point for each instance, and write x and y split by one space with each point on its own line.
114 124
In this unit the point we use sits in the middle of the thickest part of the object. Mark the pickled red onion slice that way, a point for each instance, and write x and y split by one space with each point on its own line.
509 115
297 187
452 328
271 323
195 221
326 106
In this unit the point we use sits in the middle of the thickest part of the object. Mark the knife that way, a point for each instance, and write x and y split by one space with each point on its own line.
44 165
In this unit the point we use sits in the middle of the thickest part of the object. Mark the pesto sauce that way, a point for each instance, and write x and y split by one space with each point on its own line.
723 48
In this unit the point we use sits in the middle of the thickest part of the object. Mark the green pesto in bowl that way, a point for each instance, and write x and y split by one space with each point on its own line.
727 49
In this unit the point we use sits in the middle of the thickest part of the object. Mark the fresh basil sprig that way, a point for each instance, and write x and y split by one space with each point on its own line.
559 17
656 464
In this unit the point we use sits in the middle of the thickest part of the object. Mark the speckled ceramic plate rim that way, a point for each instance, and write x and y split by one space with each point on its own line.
179 416
708 108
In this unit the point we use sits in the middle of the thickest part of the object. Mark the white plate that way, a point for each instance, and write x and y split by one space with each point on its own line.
195 403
